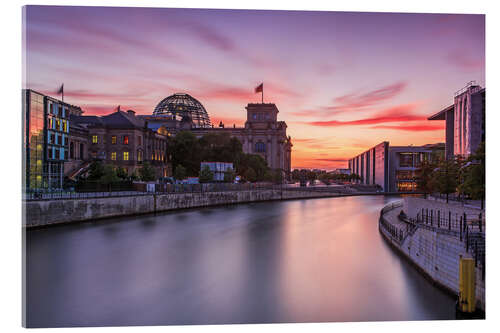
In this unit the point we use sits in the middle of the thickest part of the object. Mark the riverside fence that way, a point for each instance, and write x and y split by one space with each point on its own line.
470 229
143 189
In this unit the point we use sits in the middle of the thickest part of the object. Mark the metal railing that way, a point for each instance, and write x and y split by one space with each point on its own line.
396 233
446 220
139 191
470 229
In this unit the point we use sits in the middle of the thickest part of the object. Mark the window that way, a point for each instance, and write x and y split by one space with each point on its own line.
94 138
58 124
71 150
113 156
125 155
254 116
140 140
405 160
139 155
113 139
406 186
65 125
125 139
260 147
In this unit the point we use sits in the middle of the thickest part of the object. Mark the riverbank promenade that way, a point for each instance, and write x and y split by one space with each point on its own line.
433 235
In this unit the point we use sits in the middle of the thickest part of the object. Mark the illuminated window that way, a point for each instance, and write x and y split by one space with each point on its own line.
113 156
125 139
113 140
125 155
65 125
139 155
406 186
94 138
58 124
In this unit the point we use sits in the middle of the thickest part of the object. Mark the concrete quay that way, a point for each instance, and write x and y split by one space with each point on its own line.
433 248
50 212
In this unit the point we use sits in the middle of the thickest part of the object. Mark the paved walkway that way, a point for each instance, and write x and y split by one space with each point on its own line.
392 217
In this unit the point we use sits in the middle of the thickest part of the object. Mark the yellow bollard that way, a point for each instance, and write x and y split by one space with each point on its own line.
467 285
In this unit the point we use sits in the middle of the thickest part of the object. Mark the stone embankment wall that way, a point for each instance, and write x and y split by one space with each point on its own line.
45 212
435 252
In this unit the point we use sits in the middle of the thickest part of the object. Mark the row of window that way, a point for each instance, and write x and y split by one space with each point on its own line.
57 110
261 116
57 139
155 156
58 124
56 153
125 139
125 156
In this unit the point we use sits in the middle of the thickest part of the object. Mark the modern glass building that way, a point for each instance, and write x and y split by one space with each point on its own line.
393 168
465 120
46 131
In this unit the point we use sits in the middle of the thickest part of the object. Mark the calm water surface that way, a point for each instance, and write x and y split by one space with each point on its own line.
295 261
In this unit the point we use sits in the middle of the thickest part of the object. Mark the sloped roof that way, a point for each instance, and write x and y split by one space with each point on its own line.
118 119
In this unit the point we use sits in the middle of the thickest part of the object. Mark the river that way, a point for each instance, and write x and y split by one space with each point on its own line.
318 260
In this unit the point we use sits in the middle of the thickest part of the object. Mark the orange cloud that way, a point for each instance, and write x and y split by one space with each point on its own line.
413 128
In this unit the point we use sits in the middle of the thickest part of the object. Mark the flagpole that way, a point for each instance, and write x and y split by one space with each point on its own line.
262 93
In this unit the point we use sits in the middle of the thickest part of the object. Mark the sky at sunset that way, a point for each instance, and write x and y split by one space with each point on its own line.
343 82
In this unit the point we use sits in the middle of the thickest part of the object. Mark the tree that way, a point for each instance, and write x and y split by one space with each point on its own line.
134 176
147 172
185 150
425 177
324 178
473 176
109 175
296 175
206 175
229 176
445 177
277 176
250 175
121 173
96 170
180 172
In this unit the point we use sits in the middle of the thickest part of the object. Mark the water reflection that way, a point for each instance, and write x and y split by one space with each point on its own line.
294 261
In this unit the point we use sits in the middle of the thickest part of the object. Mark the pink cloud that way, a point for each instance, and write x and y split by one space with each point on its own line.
400 113
356 101
462 60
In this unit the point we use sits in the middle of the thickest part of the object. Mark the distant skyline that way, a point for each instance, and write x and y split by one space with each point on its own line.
343 81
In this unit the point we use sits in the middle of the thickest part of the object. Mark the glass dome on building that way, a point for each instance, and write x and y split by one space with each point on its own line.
183 107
